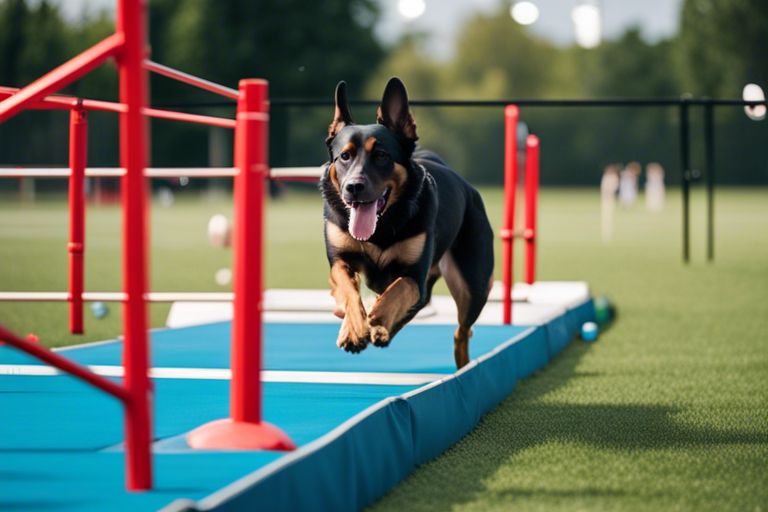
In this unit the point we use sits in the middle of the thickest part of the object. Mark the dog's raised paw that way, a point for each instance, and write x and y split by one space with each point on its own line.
379 336
350 342
353 346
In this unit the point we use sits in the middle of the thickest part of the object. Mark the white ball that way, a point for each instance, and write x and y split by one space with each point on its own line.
223 276
219 231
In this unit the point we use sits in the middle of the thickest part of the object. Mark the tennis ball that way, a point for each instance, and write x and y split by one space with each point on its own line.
219 231
589 331
99 310
223 276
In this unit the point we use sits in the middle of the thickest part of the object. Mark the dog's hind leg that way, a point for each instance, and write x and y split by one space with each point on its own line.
393 309
354 334
461 294
467 268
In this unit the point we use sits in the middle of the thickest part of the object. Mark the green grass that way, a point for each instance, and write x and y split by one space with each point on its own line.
667 411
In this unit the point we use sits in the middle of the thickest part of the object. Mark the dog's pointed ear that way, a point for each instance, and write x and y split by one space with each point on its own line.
342 116
394 112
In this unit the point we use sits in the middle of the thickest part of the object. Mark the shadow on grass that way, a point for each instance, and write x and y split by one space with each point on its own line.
524 421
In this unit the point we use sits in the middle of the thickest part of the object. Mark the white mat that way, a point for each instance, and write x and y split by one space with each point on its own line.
534 305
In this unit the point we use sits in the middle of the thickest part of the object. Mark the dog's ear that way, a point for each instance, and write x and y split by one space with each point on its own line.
394 112
342 116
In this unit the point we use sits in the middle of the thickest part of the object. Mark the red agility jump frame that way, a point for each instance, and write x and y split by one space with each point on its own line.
244 428
508 232
128 47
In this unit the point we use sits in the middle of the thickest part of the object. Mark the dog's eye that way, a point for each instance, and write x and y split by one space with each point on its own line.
345 156
381 157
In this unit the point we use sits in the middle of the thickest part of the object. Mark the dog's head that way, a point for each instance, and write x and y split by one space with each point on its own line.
369 162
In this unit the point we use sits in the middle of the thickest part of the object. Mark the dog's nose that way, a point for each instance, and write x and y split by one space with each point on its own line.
354 188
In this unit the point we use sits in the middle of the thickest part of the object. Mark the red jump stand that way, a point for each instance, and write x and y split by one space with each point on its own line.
508 232
244 429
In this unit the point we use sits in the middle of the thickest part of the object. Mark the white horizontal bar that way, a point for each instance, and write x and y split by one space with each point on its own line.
116 172
34 296
190 296
117 296
190 172
374 378
297 172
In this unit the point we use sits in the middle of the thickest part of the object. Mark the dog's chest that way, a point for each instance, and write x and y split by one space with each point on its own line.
404 252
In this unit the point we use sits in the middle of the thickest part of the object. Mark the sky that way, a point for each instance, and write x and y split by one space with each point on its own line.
443 19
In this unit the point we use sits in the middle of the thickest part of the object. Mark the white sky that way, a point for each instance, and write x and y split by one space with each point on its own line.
443 18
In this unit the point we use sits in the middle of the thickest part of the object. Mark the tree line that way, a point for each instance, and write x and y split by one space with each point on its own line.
303 48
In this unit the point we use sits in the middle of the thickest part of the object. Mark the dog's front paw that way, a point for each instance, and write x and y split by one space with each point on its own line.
379 336
353 338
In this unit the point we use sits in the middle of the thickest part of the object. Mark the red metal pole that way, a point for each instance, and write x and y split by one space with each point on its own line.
63 364
78 156
248 265
192 80
60 102
245 428
62 75
133 157
531 197
511 114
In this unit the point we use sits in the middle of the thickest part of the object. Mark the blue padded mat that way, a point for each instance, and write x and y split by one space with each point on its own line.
60 439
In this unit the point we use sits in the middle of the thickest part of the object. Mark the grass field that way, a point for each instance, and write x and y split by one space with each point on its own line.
667 411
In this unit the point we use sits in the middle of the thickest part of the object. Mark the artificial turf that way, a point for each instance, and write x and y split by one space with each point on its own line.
667 411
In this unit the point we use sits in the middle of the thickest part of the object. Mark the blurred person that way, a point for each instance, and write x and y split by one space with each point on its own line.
654 187
609 185
628 184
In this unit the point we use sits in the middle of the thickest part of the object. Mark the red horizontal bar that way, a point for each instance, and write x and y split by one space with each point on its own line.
61 76
64 364
190 118
61 102
188 79
69 102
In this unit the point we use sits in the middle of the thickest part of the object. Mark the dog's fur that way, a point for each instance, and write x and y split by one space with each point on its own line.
431 223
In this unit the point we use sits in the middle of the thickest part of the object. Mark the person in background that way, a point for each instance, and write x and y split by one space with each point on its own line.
609 185
654 187
628 184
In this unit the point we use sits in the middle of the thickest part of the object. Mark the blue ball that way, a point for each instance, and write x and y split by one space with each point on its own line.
99 309
589 331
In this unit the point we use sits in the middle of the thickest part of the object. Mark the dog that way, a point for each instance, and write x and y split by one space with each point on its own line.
398 215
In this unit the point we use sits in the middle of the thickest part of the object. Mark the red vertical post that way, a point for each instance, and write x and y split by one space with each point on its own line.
511 115
131 23
251 139
531 198
245 428
78 156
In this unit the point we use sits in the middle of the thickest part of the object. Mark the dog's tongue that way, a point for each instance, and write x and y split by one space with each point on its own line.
362 220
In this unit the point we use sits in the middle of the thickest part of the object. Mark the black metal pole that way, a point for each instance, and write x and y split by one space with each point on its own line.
685 174
709 157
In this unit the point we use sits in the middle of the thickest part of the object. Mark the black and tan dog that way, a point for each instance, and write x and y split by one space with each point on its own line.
402 218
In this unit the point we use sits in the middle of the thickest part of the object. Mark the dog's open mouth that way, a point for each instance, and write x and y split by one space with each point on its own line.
364 216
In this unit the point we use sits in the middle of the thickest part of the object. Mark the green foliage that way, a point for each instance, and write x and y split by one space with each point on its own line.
303 48
496 58
722 45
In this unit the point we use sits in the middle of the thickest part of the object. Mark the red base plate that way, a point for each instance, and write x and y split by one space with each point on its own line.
228 434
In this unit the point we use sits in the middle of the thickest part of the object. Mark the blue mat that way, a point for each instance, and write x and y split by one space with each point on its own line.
297 346
60 440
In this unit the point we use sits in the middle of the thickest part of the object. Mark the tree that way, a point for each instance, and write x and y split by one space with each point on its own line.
722 46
